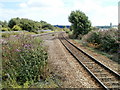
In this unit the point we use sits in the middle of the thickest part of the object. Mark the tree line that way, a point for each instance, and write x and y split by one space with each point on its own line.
18 24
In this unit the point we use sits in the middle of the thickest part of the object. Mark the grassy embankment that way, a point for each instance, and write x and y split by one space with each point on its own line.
24 62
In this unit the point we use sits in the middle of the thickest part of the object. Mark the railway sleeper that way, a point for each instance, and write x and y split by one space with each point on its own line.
113 86
112 83
107 79
86 61
93 66
101 74
97 70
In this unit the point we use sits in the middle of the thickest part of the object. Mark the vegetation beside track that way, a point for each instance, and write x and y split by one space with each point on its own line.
105 41
24 63
102 42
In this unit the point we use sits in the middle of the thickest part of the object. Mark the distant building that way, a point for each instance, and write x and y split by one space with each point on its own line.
115 26
62 26
111 25
103 27
107 27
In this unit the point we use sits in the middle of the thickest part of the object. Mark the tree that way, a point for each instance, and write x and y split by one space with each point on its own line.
13 21
16 28
4 24
47 26
80 23
28 25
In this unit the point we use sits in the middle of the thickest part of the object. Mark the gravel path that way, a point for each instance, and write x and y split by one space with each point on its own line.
63 65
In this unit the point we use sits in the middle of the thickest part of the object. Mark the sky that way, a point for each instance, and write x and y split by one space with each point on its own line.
56 12
119 12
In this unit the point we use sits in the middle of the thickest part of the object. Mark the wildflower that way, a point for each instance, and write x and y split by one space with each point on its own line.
3 41
15 35
27 46
18 50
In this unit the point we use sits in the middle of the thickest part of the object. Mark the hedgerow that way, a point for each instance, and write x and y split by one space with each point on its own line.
106 41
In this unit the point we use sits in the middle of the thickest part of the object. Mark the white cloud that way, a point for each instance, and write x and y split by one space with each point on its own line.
12 0
43 3
57 11
98 14
1 5
52 11
23 5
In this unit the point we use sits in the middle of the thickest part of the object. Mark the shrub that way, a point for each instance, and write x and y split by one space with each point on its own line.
80 36
109 44
24 61
16 28
4 29
106 41
7 35
67 31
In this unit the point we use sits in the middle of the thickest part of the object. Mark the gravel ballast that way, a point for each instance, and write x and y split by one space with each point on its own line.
62 64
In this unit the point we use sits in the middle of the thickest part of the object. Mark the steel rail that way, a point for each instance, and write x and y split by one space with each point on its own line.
118 75
99 81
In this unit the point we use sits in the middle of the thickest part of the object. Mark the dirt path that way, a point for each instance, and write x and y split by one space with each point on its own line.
63 65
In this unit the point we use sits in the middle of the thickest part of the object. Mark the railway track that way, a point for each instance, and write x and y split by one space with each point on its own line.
43 34
106 77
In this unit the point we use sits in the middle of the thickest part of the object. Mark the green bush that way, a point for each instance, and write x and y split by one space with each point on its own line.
94 38
109 44
67 31
16 28
7 35
106 40
24 61
4 29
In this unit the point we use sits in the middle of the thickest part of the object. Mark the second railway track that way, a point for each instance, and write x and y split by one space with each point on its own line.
105 76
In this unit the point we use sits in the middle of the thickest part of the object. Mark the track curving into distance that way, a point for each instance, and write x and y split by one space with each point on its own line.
105 76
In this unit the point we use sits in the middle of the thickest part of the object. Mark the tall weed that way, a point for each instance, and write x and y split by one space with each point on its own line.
24 61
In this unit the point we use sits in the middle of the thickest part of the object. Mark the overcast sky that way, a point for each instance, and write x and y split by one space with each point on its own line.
56 12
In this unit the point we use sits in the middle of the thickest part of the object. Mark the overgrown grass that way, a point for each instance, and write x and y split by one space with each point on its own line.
8 34
113 56
106 41
24 62
44 32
